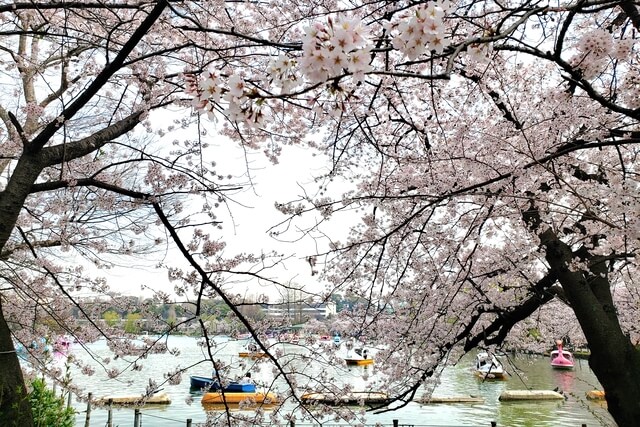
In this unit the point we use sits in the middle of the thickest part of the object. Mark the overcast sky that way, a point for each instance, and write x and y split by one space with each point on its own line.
248 231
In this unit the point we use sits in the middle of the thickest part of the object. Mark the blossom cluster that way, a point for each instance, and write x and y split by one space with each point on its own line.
593 50
282 73
597 48
333 48
340 47
423 31
239 104
630 88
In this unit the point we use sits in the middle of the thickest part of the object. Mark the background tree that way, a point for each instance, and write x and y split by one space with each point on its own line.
132 323
111 317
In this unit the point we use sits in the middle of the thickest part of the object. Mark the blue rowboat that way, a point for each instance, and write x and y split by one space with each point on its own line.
204 382
211 384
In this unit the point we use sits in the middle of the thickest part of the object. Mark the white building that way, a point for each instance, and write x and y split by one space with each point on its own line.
300 311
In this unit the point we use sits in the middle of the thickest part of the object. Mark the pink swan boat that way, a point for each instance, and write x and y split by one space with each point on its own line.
561 359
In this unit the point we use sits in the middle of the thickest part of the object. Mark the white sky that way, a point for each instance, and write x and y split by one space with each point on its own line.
248 232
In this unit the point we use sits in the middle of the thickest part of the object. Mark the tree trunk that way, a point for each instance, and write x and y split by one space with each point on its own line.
15 409
614 360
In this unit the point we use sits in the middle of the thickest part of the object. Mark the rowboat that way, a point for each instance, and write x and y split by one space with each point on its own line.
237 397
203 382
211 384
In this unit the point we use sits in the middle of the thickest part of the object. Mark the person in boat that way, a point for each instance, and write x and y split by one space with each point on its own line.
215 385
246 379
365 354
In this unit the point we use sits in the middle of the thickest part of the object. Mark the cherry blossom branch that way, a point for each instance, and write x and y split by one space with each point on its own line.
60 286
100 80
575 77
206 280
75 149
46 5
629 7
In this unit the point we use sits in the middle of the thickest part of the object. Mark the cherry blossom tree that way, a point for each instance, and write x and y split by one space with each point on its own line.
488 149
86 182
492 152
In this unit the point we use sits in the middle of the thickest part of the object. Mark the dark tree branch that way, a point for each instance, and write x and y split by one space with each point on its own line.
101 79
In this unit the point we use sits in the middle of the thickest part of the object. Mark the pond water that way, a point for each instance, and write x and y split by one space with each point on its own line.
528 372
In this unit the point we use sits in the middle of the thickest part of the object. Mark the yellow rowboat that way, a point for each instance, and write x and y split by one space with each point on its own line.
359 362
255 397
253 355
211 407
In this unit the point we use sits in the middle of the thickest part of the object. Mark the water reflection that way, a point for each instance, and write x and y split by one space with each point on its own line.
526 372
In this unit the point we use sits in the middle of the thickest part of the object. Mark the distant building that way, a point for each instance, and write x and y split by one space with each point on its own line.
299 312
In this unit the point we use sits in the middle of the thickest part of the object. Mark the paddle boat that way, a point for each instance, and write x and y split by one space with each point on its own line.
358 362
337 340
360 359
62 346
37 347
488 367
560 358
244 337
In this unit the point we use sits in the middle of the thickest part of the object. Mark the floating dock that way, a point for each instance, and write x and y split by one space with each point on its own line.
450 399
156 399
511 395
356 398
253 355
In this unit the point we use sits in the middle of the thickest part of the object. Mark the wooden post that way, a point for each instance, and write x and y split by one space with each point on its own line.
395 423
136 418
69 399
292 423
88 416
493 424
189 420
110 414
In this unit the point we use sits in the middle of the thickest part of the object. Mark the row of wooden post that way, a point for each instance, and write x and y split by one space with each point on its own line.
137 417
